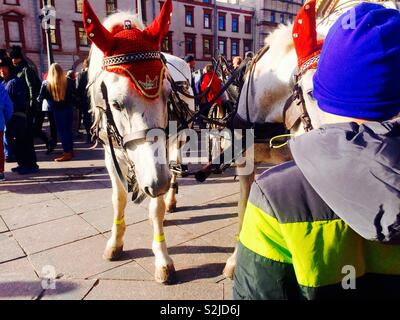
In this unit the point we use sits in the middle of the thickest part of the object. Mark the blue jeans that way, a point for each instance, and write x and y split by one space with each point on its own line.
63 118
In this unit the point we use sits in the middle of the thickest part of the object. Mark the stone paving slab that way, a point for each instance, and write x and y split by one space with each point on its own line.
225 237
102 219
31 214
77 260
129 271
149 290
3 226
203 219
54 233
69 290
18 280
228 287
9 248
85 201
23 194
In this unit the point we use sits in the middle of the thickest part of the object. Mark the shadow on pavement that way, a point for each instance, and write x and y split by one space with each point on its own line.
199 219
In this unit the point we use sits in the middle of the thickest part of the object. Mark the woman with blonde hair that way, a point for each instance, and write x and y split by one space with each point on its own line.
60 95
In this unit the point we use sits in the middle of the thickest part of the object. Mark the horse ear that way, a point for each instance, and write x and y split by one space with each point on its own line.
95 30
160 26
305 32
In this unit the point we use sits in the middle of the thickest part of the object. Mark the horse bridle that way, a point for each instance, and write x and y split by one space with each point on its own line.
114 137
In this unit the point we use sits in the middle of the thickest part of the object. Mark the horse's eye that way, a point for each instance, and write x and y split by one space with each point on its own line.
117 106
311 94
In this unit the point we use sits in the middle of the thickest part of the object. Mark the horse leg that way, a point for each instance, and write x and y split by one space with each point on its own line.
245 185
115 244
164 266
170 199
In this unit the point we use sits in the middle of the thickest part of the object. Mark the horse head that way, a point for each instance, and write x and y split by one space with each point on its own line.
126 61
308 48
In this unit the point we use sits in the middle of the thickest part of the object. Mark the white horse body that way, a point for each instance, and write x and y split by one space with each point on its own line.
135 113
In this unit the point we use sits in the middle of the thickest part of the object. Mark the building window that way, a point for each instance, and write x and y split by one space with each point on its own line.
12 2
282 18
82 41
247 25
247 45
235 47
166 45
221 21
111 6
189 16
235 23
190 44
273 18
13 29
207 19
207 46
222 46
78 6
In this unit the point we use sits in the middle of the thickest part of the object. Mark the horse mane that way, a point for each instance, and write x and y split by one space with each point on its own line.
282 35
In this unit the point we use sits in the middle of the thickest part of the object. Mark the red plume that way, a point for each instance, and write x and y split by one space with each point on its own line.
160 26
305 33
95 30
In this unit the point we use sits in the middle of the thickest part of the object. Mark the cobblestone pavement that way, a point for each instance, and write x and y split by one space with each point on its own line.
57 222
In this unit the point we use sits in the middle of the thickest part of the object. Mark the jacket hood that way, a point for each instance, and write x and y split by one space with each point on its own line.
355 169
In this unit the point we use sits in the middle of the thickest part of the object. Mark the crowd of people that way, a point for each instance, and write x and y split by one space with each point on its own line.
26 101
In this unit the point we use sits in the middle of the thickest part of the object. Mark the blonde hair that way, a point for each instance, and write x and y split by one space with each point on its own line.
57 82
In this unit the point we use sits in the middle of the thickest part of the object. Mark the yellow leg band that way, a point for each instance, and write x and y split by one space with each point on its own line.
119 222
159 238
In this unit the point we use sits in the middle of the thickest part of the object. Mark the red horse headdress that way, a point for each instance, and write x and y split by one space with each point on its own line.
132 52
305 40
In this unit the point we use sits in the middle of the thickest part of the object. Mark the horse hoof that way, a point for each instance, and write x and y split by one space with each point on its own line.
165 274
112 254
229 271
171 208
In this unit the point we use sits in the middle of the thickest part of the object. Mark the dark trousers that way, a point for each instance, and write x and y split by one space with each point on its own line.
63 118
86 117
19 136
37 120
1 152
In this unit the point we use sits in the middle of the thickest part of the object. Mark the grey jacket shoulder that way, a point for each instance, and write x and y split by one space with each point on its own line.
284 192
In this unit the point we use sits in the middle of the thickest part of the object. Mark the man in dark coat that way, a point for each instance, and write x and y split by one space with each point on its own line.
83 99
32 82
18 135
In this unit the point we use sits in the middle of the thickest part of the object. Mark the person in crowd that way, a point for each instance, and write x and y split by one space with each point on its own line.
60 96
71 77
30 78
326 225
236 62
211 80
18 135
83 99
6 111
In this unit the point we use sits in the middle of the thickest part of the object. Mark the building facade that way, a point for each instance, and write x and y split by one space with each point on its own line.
195 29
198 27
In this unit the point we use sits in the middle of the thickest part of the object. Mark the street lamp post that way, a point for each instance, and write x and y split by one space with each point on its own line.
47 26
215 42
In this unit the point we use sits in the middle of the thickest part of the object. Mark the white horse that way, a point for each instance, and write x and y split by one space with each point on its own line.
270 88
132 114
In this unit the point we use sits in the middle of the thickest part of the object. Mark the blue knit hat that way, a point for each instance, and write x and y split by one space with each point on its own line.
358 74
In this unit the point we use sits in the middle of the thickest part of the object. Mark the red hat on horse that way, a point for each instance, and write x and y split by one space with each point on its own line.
130 51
